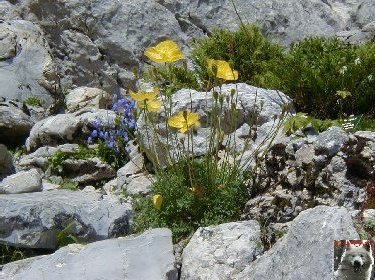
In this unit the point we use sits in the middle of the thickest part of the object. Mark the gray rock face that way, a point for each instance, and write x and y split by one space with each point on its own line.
104 50
255 107
147 256
40 157
221 252
8 11
85 97
34 219
86 171
306 251
334 168
6 162
286 21
26 68
330 141
66 128
22 182
15 124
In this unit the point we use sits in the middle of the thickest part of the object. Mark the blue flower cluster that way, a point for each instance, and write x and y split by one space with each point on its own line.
116 134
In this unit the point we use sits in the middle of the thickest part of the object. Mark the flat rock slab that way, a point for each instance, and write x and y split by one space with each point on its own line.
22 182
306 251
145 257
220 252
34 219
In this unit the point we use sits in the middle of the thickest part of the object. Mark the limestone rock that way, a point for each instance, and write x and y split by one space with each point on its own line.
40 157
306 251
330 141
147 256
221 252
138 184
22 182
34 219
85 97
67 128
101 53
26 67
84 171
15 124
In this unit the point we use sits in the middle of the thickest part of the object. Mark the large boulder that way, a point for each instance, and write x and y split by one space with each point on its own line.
306 251
85 97
147 256
34 219
248 118
67 128
15 124
22 182
101 53
26 67
333 168
287 21
221 252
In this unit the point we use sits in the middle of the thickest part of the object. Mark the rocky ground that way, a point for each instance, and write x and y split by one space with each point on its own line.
312 188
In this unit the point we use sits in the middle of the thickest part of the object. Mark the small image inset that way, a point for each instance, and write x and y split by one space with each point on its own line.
353 260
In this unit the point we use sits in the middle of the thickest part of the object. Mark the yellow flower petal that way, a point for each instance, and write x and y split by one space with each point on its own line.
166 51
153 105
144 95
157 200
223 69
192 118
177 121
183 121
136 96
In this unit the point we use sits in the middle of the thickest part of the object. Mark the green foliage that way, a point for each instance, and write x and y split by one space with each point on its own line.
106 154
195 193
171 77
246 49
317 71
57 160
33 101
64 183
300 121
365 124
65 236
11 254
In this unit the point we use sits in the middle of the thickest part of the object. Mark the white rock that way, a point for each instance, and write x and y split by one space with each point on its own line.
85 97
22 182
221 252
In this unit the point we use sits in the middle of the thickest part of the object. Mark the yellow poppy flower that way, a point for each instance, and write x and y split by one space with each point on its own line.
223 69
144 95
183 121
343 94
157 200
150 105
147 100
166 51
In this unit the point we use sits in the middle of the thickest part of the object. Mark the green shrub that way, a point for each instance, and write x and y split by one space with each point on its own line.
33 101
249 52
171 78
101 151
194 193
317 71
301 121
11 254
